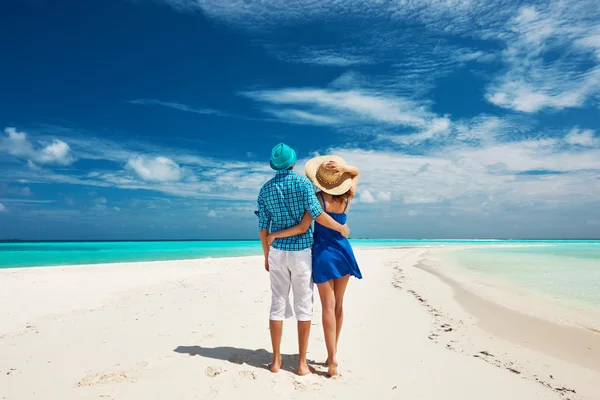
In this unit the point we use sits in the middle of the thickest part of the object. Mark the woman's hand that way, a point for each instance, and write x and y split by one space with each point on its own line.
335 167
270 239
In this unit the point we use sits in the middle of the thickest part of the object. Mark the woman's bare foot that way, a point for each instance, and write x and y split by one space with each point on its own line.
275 365
333 367
304 369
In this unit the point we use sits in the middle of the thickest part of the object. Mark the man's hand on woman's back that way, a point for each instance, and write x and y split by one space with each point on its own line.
345 231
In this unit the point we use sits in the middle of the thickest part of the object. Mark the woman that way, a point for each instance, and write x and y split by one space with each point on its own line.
333 258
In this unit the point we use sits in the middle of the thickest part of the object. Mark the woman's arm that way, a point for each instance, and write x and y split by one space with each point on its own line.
350 169
293 231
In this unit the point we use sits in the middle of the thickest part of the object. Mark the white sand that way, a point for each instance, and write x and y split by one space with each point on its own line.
199 330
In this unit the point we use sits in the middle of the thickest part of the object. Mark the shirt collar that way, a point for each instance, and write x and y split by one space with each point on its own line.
286 172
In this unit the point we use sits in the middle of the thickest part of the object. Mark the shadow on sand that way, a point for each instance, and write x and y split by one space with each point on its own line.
255 358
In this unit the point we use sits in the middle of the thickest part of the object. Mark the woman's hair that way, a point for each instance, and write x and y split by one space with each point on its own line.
341 198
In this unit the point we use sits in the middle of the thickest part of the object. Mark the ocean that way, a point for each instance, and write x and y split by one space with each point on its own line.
45 254
42 254
565 269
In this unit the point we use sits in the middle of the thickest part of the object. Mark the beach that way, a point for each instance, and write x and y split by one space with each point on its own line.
198 329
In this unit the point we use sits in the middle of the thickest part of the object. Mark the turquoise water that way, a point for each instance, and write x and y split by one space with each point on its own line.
562 270
15 255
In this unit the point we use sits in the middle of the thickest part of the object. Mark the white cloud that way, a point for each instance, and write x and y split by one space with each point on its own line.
459 175
117 209
384 196
581 137
100 200
17 144
355 103
211 214
333 57
495 173
365 196
419 198
175 106
550 49
355 110
157 169
303 117
2 208
535 78
437 128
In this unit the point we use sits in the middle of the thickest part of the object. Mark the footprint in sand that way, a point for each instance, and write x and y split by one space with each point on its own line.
207 336
128 376
104 379
212 371
248 374
299 386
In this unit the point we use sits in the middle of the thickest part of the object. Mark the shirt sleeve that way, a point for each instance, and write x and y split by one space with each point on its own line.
264 217
311 203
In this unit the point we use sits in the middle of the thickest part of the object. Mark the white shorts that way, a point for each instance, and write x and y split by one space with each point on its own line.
291 269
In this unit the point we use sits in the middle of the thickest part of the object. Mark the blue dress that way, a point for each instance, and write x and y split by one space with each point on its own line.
333 257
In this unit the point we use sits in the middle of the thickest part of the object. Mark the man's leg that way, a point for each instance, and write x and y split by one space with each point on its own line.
276 328
280 303
302 285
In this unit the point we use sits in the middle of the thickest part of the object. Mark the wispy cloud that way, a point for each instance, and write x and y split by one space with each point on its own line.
177 106
348 106
338 56
303 117
550 49
25 201
535 78
3 208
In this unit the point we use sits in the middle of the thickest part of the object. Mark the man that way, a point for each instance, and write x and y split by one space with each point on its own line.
282 203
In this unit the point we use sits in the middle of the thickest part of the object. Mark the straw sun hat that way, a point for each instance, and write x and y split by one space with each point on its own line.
328 181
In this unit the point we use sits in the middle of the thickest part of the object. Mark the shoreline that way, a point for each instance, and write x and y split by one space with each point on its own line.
563 358
198 329
522 329
358 244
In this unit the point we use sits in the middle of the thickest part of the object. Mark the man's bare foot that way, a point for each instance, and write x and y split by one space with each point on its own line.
275 365
304 369
333 367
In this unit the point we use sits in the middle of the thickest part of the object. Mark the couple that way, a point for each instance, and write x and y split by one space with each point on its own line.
287 204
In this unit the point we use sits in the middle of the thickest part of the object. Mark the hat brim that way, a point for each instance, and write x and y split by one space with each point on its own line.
340 187
287 165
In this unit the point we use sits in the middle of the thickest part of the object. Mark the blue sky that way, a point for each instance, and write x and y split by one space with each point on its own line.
154 119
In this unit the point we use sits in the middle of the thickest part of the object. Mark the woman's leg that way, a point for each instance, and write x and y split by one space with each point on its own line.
327 295
339 288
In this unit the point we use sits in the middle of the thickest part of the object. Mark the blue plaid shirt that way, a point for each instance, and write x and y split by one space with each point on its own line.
282 203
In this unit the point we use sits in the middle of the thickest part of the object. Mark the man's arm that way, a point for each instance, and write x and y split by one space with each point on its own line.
328 222
264 223
293 231
263 239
